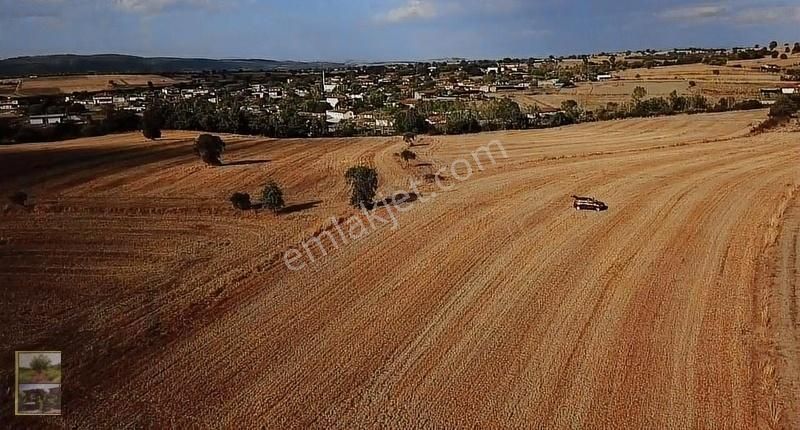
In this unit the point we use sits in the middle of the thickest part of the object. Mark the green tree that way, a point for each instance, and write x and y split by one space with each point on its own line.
152 121
572 110
210 149
273 197
504 113
410 121
639 93
784 107
40 363
676 102
364 183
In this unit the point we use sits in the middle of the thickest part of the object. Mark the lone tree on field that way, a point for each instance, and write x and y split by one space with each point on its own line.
409 138
210 149
241 201
407 156
273 197
364 181
152 121
40 363
19 198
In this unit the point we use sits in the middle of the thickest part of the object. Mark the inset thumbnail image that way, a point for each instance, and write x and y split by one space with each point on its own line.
39 367
39 399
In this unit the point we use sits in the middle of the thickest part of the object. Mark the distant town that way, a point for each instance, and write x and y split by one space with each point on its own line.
447 97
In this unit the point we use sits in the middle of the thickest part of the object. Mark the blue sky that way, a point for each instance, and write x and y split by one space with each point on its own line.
384 29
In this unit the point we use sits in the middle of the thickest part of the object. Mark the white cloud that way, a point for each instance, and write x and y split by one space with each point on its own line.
769 15
155 6
695 13
414 9
30 8
763 13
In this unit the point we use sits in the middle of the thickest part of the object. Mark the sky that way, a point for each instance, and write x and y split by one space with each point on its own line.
26 357
383 30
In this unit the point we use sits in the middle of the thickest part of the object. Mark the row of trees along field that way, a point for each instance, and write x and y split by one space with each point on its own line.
434 117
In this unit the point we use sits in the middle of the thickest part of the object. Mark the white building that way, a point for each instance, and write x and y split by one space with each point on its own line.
9 104
45 120
103 100
335 117
333 101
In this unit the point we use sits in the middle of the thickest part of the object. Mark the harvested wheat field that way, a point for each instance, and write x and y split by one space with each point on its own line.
493 303
55 85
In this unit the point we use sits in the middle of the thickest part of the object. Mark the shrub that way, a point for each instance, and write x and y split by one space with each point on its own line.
409 138
210 149
748 105
407 156
769 123
273 197
364 183
18 198
241 201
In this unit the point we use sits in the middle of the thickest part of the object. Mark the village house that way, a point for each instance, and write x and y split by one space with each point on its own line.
9 104
337 116
100 100
424 95
334 102
54 119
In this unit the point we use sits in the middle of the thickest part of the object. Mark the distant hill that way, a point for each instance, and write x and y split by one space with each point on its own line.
112 63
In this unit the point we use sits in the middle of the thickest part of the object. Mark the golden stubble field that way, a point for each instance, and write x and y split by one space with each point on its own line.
492 304
56 85
741 80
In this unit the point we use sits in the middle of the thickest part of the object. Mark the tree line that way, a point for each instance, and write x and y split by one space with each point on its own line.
292 120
